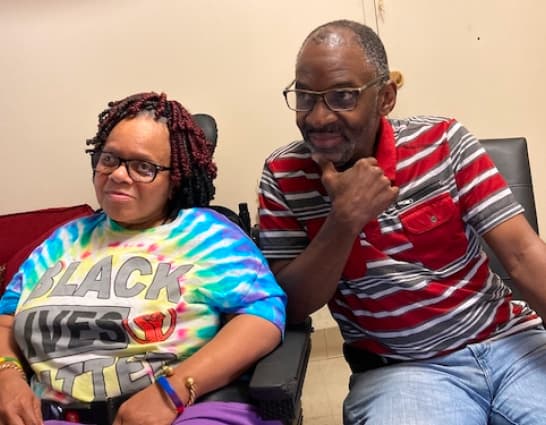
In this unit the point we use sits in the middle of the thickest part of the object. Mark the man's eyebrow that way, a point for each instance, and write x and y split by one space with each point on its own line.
337 86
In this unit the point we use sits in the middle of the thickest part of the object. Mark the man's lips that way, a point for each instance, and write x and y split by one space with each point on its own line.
325 141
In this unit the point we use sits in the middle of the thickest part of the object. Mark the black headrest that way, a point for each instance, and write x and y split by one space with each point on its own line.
208 125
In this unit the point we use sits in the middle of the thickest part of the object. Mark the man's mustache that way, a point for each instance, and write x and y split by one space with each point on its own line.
307 130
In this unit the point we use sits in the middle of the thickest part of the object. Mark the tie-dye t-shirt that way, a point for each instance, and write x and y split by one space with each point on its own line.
99 308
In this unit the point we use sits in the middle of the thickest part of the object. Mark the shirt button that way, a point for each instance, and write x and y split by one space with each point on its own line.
433 219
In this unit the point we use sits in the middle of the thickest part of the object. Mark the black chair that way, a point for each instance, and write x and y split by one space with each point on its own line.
275 384
512 160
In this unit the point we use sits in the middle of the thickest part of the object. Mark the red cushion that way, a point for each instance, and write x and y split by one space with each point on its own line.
21 232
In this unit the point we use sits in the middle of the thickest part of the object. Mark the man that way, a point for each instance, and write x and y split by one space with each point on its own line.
381 219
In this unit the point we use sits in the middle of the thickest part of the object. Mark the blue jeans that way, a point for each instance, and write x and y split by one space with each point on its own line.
496 382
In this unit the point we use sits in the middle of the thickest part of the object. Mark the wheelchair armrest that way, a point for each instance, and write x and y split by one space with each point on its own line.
277 381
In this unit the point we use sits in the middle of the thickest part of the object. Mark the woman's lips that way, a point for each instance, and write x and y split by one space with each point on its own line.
118 196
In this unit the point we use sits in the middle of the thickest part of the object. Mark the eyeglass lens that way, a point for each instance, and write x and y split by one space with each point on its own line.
336 100
138 170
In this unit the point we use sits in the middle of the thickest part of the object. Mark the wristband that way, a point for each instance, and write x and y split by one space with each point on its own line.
8 359
171 393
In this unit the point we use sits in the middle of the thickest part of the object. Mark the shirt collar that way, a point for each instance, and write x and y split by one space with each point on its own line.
385 151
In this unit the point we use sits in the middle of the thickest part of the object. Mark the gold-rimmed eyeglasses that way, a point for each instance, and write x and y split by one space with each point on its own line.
338 99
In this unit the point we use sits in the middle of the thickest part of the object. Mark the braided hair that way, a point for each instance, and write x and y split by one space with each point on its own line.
192 169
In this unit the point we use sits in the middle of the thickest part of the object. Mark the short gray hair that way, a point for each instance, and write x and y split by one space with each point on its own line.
366 38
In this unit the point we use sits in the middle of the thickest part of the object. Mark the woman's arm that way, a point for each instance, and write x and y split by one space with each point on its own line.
18 404
8 347
236 347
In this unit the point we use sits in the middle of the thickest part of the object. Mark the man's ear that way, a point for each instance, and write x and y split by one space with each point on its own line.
387 97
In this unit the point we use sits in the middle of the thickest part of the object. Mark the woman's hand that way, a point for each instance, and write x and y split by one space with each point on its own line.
147 407
18 404
217 363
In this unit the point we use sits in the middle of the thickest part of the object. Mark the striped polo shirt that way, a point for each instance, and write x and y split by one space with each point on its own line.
416 284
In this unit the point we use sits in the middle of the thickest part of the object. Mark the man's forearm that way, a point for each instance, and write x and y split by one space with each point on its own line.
530 277
311 279
523 255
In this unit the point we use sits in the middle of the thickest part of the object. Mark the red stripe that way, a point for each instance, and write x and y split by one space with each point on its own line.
289 164
300 184
400 298
273 222
268 203
270 223
423 166
484 189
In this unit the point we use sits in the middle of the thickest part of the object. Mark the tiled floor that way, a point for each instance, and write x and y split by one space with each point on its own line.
326 381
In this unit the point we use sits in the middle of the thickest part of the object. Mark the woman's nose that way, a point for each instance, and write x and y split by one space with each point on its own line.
121 174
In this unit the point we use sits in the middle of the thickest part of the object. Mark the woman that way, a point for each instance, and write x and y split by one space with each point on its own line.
122 309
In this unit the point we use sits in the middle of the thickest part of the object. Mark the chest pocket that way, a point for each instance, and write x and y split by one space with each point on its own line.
436 232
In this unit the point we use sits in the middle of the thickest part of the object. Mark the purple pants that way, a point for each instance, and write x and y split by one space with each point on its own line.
212 413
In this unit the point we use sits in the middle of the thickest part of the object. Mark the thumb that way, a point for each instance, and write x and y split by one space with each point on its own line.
325 165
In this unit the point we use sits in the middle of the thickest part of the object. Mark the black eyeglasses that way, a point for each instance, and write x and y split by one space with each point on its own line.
342 99
140 171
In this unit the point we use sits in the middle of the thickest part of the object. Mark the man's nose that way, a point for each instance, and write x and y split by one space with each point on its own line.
320 114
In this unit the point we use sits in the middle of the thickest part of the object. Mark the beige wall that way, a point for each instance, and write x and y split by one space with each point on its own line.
479 61
62 60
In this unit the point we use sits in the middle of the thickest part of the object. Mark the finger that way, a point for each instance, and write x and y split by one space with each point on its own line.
395 191
369 161
31 416
37 407
325 165
14 419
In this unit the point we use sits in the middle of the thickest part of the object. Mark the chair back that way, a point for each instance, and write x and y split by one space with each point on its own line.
21 232
209 127
241 218
511 157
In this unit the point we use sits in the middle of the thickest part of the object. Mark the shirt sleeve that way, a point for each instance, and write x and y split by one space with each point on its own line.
282 235
39 260
10 298
234 277
485 198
